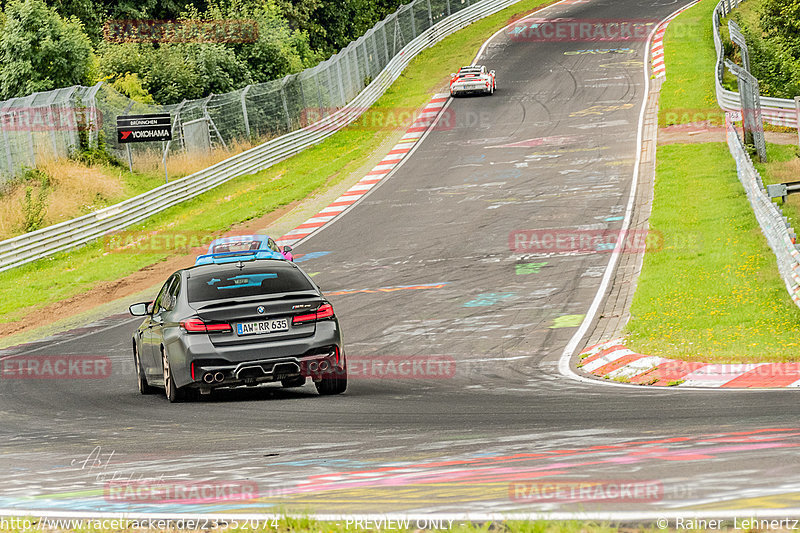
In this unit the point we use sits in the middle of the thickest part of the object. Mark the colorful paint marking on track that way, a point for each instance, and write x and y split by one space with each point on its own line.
417 479
657 52
612 360
373 177
423 287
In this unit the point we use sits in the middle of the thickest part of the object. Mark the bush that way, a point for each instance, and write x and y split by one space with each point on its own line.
34 205
774 44
40 51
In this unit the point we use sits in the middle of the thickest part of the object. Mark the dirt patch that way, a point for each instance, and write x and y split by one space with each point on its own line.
706 133
129 285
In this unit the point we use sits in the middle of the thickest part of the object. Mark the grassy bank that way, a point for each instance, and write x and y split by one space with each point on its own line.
688 94
64 189
28 288
714 294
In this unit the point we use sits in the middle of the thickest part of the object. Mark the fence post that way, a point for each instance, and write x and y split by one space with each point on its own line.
244 111
318 80
285 105
212 123
750 99
737 37
413 19
385 46
343 98
95 127
797 116
31 140
53 138
72 129
6 143
430 14
359 81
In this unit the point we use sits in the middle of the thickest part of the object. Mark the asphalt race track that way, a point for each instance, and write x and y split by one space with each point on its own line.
422 271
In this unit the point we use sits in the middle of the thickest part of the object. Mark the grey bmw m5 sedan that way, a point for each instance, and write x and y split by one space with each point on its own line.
238 322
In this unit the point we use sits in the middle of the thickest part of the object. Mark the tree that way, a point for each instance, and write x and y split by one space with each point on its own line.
88 12
781 21
40 51
333 25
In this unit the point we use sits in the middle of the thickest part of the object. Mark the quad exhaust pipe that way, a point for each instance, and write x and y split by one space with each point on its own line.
319 366
210 377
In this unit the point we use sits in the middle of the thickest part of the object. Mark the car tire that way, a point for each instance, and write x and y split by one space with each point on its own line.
141 378
332 383
174 394
290 383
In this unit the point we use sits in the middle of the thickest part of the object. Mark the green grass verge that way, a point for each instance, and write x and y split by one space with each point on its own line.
688 94
30 287
713 293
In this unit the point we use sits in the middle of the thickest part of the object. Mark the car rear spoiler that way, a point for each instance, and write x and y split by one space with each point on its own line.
221 258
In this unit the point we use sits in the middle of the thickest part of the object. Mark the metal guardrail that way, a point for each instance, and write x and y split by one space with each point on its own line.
778 111
72 233
774 225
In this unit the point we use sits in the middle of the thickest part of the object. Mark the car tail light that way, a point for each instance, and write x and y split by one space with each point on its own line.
196 325
324 311
192 370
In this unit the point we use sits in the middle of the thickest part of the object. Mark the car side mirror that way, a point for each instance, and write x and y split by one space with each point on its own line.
491 72
287 248
140 309
452 74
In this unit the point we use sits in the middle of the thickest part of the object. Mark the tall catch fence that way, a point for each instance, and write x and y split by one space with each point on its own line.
407 21
51 124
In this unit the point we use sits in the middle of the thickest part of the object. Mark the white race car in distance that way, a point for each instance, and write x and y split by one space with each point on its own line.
472 79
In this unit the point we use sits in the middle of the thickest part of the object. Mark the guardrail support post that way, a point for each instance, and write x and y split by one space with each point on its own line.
750 98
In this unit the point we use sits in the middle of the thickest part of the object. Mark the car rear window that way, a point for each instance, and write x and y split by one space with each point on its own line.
237 246
246 282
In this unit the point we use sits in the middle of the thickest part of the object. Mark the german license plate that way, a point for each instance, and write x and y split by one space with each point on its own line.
262 327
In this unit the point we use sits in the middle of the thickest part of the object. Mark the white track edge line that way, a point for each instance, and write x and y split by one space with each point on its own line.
564 361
